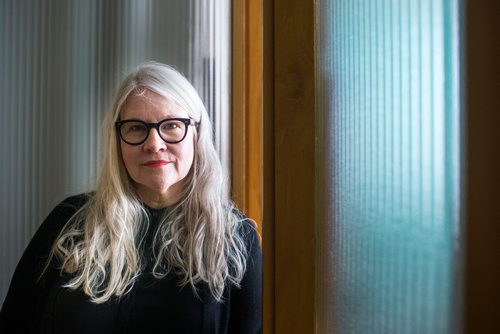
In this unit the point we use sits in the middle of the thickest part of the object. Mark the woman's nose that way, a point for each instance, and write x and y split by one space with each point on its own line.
154 143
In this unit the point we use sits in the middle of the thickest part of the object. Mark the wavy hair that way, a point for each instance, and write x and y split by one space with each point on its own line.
200 238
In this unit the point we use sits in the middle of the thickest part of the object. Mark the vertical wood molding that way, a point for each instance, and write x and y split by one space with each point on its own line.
254 111
247 102
482 300
247 119
268 169
247 131
294 148
239 103
284 84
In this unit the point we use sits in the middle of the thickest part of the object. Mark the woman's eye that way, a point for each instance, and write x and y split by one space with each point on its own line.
136 128
170 126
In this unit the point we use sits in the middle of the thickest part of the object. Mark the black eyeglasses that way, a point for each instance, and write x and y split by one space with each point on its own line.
171 130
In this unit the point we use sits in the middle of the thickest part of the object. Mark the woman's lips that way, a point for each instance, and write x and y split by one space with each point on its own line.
156 163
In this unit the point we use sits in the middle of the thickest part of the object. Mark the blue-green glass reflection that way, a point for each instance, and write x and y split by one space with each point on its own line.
389 83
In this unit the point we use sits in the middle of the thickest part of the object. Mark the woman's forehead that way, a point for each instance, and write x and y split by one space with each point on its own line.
148 103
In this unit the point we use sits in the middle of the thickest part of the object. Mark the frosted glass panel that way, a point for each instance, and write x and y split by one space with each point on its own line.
60 62
388 94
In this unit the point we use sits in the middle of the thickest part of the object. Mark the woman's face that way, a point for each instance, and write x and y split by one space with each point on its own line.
157 168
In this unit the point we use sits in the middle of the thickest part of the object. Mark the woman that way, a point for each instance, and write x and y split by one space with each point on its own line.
158 246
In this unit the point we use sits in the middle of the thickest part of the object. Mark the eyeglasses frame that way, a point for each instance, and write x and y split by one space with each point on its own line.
149 126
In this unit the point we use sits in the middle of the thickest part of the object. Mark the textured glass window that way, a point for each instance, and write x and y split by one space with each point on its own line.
60 62
389 167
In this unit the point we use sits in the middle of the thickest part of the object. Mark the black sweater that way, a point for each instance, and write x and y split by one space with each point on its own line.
152 306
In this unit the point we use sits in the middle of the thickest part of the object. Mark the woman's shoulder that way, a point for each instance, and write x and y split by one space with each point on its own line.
41 242
74 202
70 205
63 211
242 219
247 227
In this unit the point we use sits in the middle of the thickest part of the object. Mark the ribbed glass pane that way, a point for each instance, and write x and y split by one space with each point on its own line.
389 166
60 62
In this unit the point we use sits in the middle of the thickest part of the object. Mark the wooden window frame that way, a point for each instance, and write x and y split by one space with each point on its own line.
272 167
482 217
273 95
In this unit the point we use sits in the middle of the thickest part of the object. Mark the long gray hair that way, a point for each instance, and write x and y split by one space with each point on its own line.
199 238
